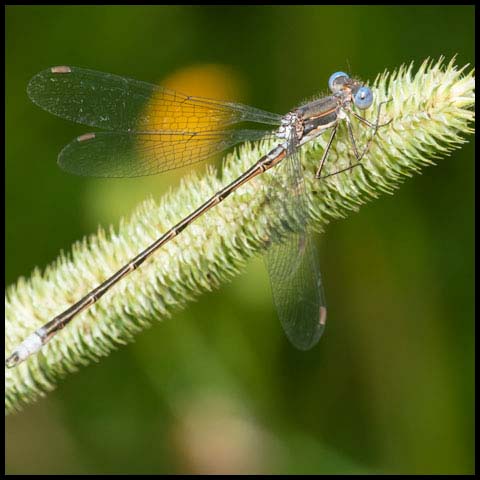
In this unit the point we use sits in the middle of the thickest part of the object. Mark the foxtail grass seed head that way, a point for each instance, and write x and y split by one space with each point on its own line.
431 112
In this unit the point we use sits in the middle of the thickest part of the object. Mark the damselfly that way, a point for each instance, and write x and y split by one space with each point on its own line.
177 130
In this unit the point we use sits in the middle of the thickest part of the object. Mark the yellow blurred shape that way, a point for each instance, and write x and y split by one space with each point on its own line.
171 111
219 82
179 118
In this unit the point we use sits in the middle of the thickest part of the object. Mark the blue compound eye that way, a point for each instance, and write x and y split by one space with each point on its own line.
363 98
336 81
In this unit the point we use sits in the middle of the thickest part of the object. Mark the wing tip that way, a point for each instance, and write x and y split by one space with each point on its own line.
308 342
38 86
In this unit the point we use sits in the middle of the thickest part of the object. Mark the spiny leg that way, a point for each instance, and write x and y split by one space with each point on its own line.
370 124
327 148
351 167
325 152
375 126
353 142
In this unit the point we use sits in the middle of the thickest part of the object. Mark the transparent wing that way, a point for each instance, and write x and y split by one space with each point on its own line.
116 154
121 104
292 259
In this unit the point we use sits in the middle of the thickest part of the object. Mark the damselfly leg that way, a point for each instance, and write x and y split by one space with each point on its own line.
358 156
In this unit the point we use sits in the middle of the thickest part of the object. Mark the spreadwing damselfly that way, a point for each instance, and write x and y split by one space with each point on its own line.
178 130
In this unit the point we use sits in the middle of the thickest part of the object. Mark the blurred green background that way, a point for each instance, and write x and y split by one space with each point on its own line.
218 388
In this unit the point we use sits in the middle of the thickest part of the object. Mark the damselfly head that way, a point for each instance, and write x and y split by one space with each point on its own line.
361 95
